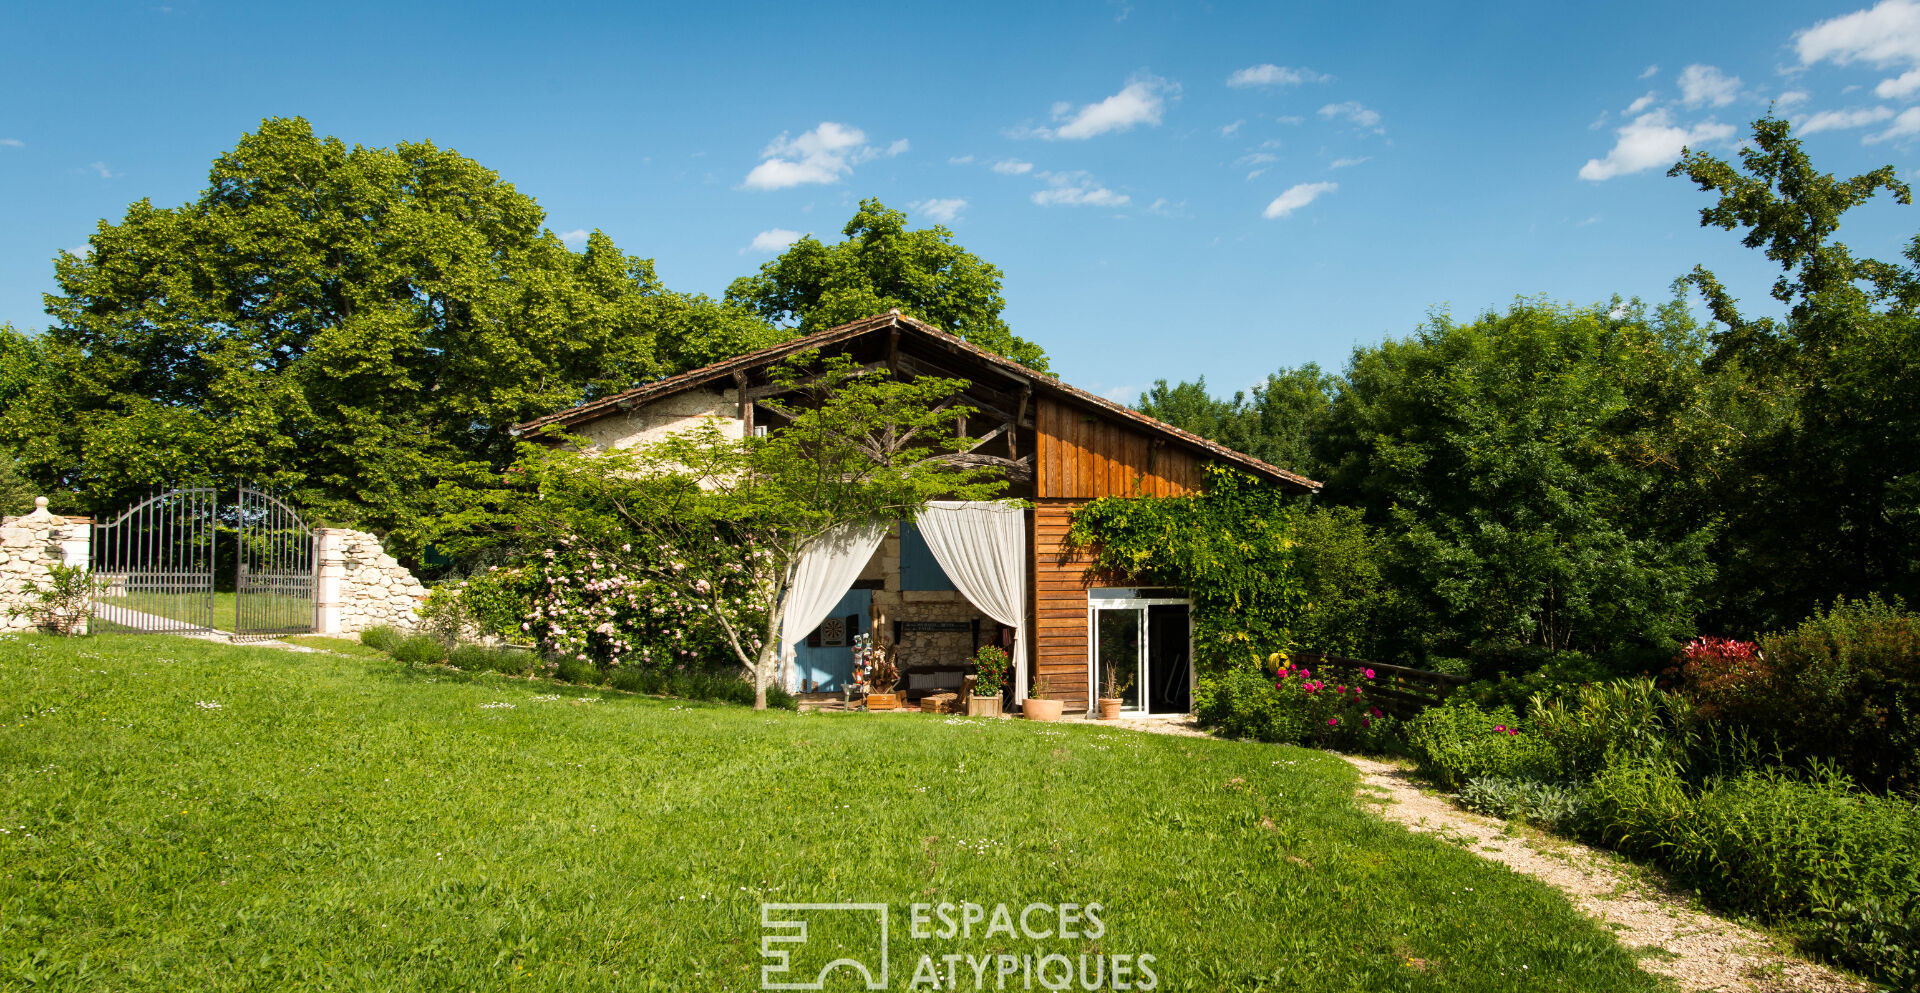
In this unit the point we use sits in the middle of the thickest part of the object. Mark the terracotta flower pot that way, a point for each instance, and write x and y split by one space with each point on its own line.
1040 710
983 706
1109 708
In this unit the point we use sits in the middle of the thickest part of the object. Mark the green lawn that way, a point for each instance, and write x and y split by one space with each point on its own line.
187 607
186 815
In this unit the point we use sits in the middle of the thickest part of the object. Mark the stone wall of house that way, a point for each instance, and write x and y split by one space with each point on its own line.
29 546
891 603
655 421
360 586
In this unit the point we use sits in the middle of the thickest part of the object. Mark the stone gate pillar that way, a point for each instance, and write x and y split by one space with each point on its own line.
329 567
29 546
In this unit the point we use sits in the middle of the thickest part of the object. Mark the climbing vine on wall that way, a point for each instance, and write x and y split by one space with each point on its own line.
1231 546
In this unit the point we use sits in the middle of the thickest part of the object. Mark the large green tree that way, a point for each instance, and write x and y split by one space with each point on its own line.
1826 499
349 324
881 266
1278 421
1521 465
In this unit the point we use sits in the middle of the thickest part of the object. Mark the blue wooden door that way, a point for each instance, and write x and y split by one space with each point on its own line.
825 657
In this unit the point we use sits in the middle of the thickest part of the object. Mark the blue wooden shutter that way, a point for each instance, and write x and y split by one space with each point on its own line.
919 570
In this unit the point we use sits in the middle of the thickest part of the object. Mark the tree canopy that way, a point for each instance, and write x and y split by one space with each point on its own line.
883 266
349 324
1608 478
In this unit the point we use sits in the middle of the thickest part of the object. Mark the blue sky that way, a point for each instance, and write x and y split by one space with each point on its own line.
1173 190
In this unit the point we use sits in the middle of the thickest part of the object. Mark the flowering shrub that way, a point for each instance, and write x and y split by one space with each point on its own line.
990 664
582 607
1460 742
1291 704
1723 677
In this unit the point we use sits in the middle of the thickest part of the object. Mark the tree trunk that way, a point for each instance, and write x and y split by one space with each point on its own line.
769 661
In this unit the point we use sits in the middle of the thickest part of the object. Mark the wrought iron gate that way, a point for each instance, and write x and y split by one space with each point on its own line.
160 566
155 563
273 582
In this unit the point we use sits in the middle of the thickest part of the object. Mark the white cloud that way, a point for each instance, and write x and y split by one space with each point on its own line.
1649 72
575 237
1649 141
1256 174
100 169
1641 104
1140 102
1356 113
771 241
1012 167
12 143
1898 87
1790 98
1268 74
1905 126
960 160
1704 84
1256 158
1168 208
1835 120
1297 197
1886 34
1227 130
1289 119
824 155
898 147
1076 189
1344 163
942 210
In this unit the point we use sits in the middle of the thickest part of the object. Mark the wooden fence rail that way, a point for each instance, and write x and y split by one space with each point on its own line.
1396 689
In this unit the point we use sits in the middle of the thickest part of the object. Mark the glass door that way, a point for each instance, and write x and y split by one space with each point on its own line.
1119 655
1169 658
1142 649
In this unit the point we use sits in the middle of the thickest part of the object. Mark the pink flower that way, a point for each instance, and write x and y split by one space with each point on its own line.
1333 722
1499 727
1369 673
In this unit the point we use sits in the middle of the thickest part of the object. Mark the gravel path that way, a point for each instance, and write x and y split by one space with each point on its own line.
1697 950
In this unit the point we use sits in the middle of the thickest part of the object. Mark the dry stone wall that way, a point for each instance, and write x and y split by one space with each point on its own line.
29 546
361 586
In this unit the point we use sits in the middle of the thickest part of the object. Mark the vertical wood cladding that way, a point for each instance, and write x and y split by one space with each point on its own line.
1081 456
1060 606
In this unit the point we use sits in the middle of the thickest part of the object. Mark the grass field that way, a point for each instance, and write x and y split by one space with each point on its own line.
224 612
186 815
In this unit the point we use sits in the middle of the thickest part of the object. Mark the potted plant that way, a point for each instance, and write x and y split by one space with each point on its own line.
1111 700
874 670
1039 707
990 669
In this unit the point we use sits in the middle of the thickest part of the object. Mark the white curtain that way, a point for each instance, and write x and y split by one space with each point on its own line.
982 547
826 573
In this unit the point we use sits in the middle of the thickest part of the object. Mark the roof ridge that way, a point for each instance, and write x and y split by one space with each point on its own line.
851 329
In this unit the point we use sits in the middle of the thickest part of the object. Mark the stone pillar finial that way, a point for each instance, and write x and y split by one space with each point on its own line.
39 510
